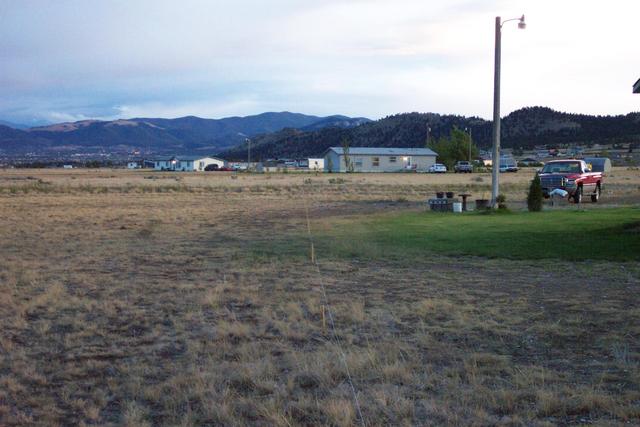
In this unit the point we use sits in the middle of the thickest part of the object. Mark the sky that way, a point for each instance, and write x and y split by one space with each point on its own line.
76 59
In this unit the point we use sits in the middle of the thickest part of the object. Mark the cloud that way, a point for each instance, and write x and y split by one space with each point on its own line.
368 57
207 109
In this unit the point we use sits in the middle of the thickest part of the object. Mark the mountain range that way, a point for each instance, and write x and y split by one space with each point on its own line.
293 135
192 135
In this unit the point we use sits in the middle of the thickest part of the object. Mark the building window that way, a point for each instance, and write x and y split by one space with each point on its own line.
357 163
375 162
392 159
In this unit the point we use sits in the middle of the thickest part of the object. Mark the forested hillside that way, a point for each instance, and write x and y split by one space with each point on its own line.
523 128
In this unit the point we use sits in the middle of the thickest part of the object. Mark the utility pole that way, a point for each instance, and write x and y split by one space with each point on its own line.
428 135
469 129
495 156
248 153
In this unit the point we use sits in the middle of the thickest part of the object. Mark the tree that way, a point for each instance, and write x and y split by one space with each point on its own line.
347 159
534 198
454 148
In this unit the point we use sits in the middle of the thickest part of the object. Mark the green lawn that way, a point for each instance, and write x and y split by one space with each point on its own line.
602 234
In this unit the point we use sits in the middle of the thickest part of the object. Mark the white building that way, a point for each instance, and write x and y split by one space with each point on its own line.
269 166
382 159
186 163
315 165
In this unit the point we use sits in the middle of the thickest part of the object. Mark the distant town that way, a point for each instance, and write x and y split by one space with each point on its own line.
620 155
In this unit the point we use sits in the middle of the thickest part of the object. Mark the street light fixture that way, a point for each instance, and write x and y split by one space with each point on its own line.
495 157
521 25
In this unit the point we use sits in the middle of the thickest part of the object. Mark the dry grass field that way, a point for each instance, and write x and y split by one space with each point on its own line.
141 298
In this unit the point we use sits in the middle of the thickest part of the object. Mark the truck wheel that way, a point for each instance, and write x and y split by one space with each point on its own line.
596 196
577 196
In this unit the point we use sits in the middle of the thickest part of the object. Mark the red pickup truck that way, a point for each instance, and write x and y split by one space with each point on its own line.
573 176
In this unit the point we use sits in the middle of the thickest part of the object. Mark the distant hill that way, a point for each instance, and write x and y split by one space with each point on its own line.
15 140
535 125
524 128
176 136
13 125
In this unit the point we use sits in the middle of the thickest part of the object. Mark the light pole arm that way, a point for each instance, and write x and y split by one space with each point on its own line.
521 19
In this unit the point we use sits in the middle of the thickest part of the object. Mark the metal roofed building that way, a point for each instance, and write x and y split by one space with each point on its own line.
378 159
185 163
636 87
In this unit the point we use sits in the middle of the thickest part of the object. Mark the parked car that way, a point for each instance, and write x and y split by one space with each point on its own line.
463 167
437 168
508 164
216 168
573 176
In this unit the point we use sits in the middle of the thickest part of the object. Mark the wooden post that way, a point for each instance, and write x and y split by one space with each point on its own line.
324 319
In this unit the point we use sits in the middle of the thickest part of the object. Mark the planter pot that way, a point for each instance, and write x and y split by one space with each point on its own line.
482 203
449 194
440 194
